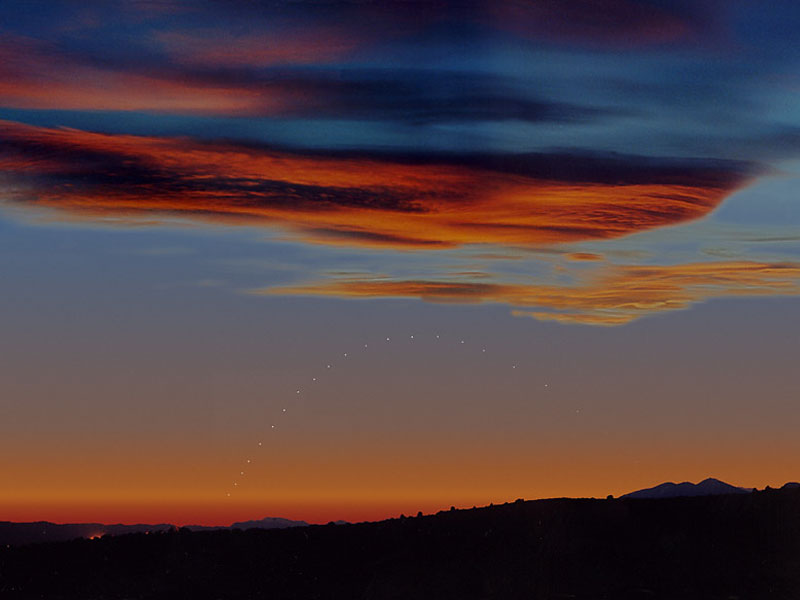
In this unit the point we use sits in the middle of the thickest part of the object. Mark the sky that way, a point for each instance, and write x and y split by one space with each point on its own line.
349 259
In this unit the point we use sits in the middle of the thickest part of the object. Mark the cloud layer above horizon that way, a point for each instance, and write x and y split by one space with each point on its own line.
395 200
615 295
418 126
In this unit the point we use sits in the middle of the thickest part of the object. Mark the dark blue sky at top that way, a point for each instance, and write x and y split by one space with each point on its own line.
705 79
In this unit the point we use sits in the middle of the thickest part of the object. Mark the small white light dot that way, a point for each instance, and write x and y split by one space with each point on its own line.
241 472
412 337
229 493
259 443
437 337
365 345
298 391
329 366
248 461
345 354
387 339
272 426
483 350
462 341
513 366
284 410
234 483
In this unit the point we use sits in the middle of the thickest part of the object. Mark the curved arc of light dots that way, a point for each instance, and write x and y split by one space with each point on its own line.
315 379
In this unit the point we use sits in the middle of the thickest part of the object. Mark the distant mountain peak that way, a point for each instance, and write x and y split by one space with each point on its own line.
265 523
44 531
268 523
708 487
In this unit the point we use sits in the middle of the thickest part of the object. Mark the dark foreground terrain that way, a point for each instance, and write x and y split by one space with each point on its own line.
721 547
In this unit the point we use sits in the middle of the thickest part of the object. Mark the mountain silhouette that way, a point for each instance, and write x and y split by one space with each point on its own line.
707 487
43 531
265 523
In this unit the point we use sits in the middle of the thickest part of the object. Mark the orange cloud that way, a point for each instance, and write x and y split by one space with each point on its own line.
345 198
582 256
35 74
611 296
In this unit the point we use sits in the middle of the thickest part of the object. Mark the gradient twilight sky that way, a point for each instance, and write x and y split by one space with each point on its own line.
203 204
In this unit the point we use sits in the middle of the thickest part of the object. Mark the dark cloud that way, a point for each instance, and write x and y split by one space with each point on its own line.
612 23
609 22
579 166
416 96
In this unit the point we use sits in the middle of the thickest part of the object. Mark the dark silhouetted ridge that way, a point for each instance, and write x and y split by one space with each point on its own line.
719 547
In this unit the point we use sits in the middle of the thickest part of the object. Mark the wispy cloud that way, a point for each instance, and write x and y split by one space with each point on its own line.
258 75
609 295
613 23
41 75
210 47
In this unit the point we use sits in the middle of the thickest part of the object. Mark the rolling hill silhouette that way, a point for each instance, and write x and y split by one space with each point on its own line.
717 547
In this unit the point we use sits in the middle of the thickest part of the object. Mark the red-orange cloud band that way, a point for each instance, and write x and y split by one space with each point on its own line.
617 295
402 202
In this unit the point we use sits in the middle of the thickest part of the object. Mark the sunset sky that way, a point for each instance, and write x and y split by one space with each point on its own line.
548 248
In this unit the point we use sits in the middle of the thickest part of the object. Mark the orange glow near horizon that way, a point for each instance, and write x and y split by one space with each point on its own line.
368 489
188 511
